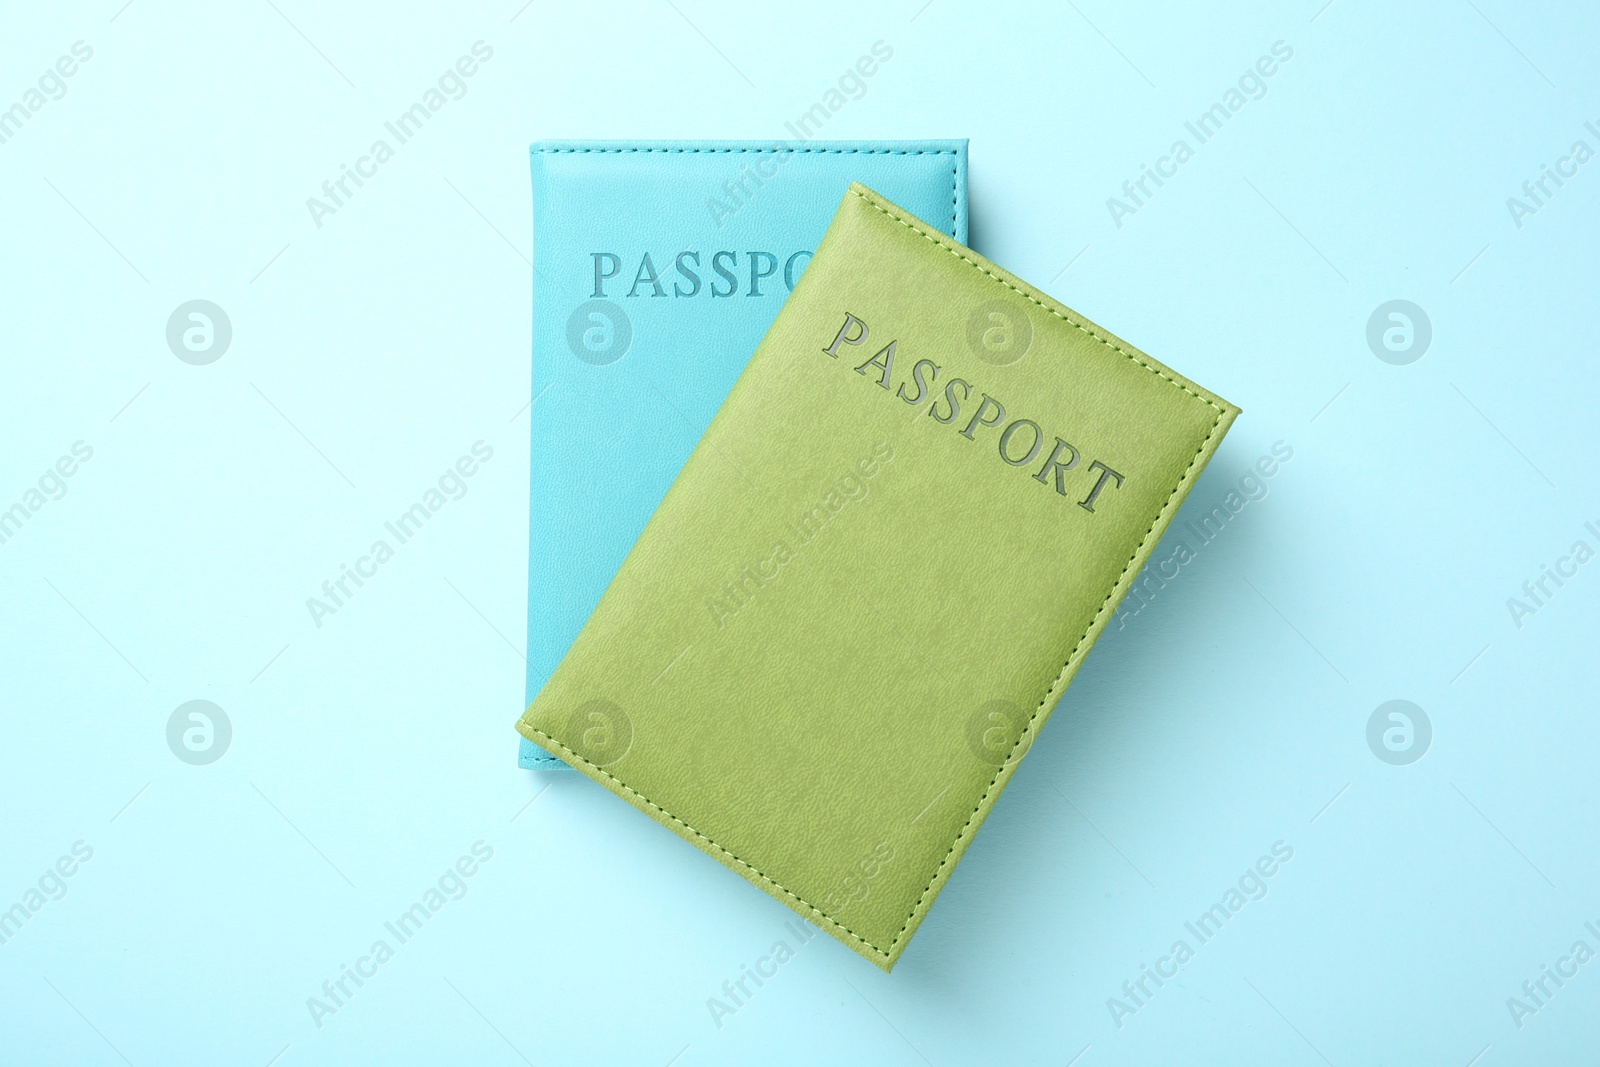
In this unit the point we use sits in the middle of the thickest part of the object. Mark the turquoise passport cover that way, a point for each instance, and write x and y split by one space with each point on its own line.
658 266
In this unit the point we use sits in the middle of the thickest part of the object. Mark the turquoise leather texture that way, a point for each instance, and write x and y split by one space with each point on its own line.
658 266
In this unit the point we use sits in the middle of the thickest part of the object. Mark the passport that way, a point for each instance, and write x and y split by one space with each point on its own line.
658 266
835 639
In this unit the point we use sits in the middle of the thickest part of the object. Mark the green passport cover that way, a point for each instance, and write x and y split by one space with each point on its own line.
834 641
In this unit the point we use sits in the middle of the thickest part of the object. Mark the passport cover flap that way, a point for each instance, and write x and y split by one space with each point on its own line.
832 644
658 266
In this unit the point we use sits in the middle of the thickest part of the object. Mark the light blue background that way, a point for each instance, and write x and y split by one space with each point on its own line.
369 354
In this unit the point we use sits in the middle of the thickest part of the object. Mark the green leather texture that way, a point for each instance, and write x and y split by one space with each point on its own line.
886 559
